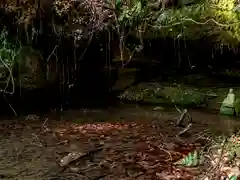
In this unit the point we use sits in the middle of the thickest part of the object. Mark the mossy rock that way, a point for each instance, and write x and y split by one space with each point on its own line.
227 111
180 96
154 93
231 111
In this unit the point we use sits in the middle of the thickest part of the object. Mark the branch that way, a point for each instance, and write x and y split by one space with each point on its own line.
196 22
10 77
181 119
185 129
4 91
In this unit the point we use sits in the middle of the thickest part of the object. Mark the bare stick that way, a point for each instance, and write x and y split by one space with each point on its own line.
178 109
10 105
185 129
44 122
181 118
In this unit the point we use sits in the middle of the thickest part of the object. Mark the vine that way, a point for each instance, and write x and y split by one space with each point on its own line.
8 57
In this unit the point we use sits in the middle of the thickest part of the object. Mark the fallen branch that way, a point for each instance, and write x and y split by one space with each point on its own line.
181 118
183 115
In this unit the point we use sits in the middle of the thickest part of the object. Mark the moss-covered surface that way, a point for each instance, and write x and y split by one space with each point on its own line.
216 20
180 95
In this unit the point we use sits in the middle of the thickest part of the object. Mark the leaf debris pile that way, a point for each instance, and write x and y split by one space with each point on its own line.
130 150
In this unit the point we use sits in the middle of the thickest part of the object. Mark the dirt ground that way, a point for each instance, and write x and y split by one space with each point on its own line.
127 143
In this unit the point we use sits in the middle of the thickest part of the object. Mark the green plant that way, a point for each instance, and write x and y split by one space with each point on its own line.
8 56
131 12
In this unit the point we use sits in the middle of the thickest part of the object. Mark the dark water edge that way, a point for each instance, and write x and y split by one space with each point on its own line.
45 100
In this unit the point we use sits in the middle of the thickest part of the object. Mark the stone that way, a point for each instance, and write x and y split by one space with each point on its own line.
228 103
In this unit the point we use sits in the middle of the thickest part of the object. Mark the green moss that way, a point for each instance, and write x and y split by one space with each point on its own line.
237 107
169 95
213 19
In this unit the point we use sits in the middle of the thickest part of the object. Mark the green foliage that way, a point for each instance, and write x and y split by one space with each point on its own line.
8 51
8 56
214 19
130 12
233 177
20 64
191 160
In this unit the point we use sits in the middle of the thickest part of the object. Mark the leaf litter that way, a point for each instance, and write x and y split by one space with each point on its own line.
126 150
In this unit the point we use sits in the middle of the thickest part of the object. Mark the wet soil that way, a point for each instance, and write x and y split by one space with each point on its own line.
131 142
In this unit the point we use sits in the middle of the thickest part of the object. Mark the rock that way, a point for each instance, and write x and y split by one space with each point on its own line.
227 111
228 104
158 108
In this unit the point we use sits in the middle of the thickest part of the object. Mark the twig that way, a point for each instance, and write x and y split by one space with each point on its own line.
196 22
4 91
10 105
182 116
53 52
221 156
185 129
40 143
88 44
201 136
178 109
180 120
171 159
44 122
129 59
163 138
11 77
